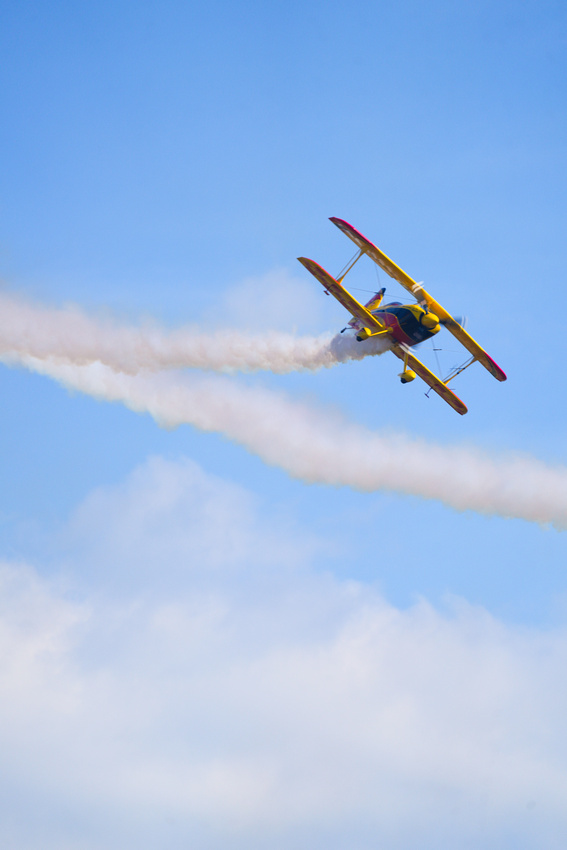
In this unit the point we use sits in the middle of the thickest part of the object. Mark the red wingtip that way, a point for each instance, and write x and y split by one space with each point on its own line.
498 373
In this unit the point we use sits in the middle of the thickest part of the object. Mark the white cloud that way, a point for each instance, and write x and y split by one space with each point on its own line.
229 695
172 525
276 300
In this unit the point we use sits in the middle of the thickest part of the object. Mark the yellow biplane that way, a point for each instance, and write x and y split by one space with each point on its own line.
405 325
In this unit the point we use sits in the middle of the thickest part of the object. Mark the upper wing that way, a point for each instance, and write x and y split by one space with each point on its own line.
378 256
430 379
341 294
421 295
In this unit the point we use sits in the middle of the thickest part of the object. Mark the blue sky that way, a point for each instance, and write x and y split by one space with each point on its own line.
169 162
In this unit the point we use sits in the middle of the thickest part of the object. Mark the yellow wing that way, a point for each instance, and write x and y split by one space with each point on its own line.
430 379
421 295
345 298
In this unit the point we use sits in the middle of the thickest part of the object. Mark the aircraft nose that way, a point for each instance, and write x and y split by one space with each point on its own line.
429 321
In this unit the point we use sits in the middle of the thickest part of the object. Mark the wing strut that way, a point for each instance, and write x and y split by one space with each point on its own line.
349 266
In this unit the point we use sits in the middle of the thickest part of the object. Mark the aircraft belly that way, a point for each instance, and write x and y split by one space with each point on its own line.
406 331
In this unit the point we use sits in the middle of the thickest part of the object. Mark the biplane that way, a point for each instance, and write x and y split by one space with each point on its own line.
404 325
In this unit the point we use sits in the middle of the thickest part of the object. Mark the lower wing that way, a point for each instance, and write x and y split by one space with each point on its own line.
430 379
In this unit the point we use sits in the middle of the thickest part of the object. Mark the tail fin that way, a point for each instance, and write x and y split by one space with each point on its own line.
374 302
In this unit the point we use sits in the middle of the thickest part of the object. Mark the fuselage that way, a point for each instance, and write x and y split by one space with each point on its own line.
408 323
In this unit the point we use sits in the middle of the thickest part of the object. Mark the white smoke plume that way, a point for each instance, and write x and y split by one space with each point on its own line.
68 335
317 446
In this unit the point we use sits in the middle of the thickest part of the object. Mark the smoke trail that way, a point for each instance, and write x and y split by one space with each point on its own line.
69 336
320 447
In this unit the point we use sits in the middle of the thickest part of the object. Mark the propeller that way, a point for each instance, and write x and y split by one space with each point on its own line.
462 321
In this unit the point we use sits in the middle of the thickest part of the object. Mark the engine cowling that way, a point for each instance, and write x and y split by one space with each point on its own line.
429 321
